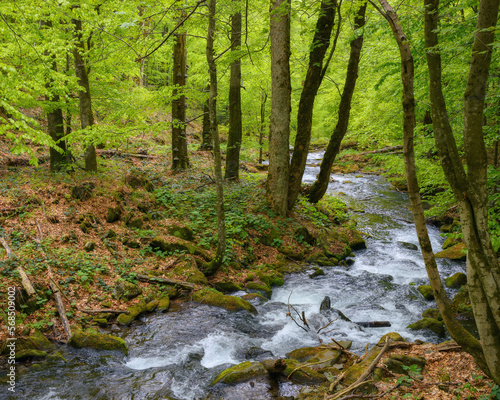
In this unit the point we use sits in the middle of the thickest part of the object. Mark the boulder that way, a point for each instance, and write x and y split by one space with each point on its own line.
217 299
97 341
302 235
83 191
114 214
36 342
254 296
432 313
321 356
134 312
125 290
190 271
89 246
163 303
408 246
450 241
426 292
301 374
264 290
457 252
227 287
31 354
456 281
316 273
271 238
182 232
172 244
240 373
137 180
429 324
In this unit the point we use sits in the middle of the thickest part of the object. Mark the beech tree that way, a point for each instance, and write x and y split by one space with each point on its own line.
279 128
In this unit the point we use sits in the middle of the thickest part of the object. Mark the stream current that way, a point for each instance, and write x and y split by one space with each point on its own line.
177 354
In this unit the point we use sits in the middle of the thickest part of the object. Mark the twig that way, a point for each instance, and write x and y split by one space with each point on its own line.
308 365
335 382
105 311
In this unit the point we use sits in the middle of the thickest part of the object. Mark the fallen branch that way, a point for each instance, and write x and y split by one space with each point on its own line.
120 154
181 284
25 282
349 389
335 383
105 311
309 364
59 303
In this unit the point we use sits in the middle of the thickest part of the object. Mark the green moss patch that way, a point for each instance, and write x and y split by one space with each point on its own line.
97 341
240 373
217 299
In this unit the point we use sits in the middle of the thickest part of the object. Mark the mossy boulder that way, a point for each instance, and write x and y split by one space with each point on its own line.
240 373
408 246
254 287
133 312
114 214
432 313
36 342
323 260
163 303
449 242
125 290
426 292
270 238
217 299
152 305
97 341
83 191
302 235
321 356
428 324
227 287
89 246
316 273
136 180
190 271
355 241
457 252
254 296
391 337
31 354
461 303
182 232
456 280
172 244
300 374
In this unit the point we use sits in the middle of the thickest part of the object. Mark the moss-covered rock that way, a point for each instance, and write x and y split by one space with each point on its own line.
217 299
240 373
83 191
449 242
227 287
456 280
254 296
432 313
89 246
114 214
408 246
408 361
97 341
163 303
300 374
457 252
136 180
55 357
125 290
31 354
324 356
316 273
391 337
271 238
426 292
172 244
302 235
428 324
36 342
102 322
134 312
356 242
254 287
182 232
191 273
152 305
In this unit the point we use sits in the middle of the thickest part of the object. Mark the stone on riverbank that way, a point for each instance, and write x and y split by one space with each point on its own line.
240 373
426 292
214 298
456 281
457 252
428 324
97 341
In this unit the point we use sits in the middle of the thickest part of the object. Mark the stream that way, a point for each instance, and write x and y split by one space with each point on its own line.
177 354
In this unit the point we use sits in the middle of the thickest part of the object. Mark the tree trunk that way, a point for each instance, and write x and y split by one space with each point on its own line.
470 188
212 267
180 159
235 125
319 187
206 136
262 123
314 76
86 115
279 129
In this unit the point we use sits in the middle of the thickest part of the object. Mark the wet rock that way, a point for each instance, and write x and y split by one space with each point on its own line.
217 299
25 355
429 324
256 353
83 191
163 303
254 287
89 246
409 246
114 214
318 272
97 341
182 232
254 297
432 313
302 235
134 312
55 357
240 373
125 290
356 242
456 280
426 292
301 374
457 252
36 342
325 357
323 260
326 304
449 242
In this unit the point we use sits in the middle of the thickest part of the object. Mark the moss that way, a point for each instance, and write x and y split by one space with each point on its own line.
302 235
457 252
36 342
125 290
432 313
318 272
227 287
172 244
426 292
97 341
101 322
409 360
428 323
182 232
314 355
254 296
57 356
134 312
217 299
456 280
262 289
449 242
240 373
24 355
391 336
151 306
303 375
163 303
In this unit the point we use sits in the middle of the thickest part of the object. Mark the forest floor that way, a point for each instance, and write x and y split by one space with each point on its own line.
61 220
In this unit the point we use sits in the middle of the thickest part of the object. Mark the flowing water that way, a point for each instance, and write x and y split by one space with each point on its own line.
176 355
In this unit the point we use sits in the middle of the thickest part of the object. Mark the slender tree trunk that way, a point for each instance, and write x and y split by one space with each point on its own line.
319 187
180 158
470 188
205 134
212 267
279 129
262 123
235 124
84 97
312 82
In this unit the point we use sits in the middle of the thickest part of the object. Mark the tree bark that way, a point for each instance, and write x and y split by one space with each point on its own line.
319 187
470 188
235 125
180 159
279 129
262 123
312 82
206 137
84 97
211 267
